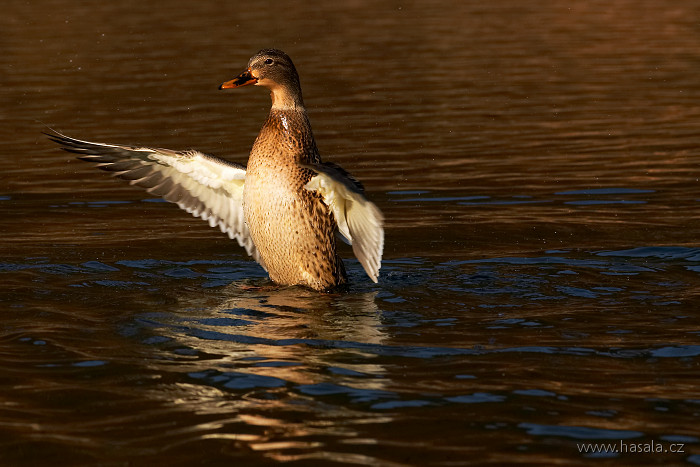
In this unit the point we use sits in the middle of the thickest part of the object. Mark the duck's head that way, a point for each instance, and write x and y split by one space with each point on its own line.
274 70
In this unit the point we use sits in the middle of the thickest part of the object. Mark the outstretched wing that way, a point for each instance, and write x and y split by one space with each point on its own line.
358 219
203 185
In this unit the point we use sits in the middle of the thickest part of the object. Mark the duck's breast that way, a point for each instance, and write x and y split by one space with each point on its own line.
291 227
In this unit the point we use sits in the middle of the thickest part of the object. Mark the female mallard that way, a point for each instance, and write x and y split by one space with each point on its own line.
284 209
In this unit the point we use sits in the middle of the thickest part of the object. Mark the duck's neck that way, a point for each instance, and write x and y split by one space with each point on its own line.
287 97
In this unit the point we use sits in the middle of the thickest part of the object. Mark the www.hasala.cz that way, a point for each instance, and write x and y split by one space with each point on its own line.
623 448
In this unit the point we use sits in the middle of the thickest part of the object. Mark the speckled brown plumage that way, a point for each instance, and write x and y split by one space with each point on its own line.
292 228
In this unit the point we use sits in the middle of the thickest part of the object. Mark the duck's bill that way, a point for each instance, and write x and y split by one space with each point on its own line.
243 79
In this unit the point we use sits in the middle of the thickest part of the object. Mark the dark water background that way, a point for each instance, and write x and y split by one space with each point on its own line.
537 163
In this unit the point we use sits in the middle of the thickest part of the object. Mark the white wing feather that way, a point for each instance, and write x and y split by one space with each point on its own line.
359 221
203 185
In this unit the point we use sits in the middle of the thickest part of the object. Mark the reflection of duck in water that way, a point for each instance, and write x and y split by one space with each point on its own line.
284 209
280 314
240 331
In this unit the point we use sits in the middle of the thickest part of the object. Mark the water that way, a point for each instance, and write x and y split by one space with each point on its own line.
536 166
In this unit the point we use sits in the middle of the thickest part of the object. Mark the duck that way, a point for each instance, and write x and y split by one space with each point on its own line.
286 208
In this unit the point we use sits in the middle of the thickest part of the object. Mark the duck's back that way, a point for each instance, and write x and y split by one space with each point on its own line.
291 227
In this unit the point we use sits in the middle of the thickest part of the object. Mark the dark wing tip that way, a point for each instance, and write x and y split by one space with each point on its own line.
67 143
86 150
56 137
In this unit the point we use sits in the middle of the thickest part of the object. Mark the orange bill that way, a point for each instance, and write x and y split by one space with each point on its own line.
243 79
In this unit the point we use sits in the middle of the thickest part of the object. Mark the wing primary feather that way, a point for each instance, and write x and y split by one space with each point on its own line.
203 185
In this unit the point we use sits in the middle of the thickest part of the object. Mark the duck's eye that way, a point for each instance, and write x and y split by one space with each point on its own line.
269 61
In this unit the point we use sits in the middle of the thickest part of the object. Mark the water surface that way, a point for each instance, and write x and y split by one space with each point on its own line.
537 166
